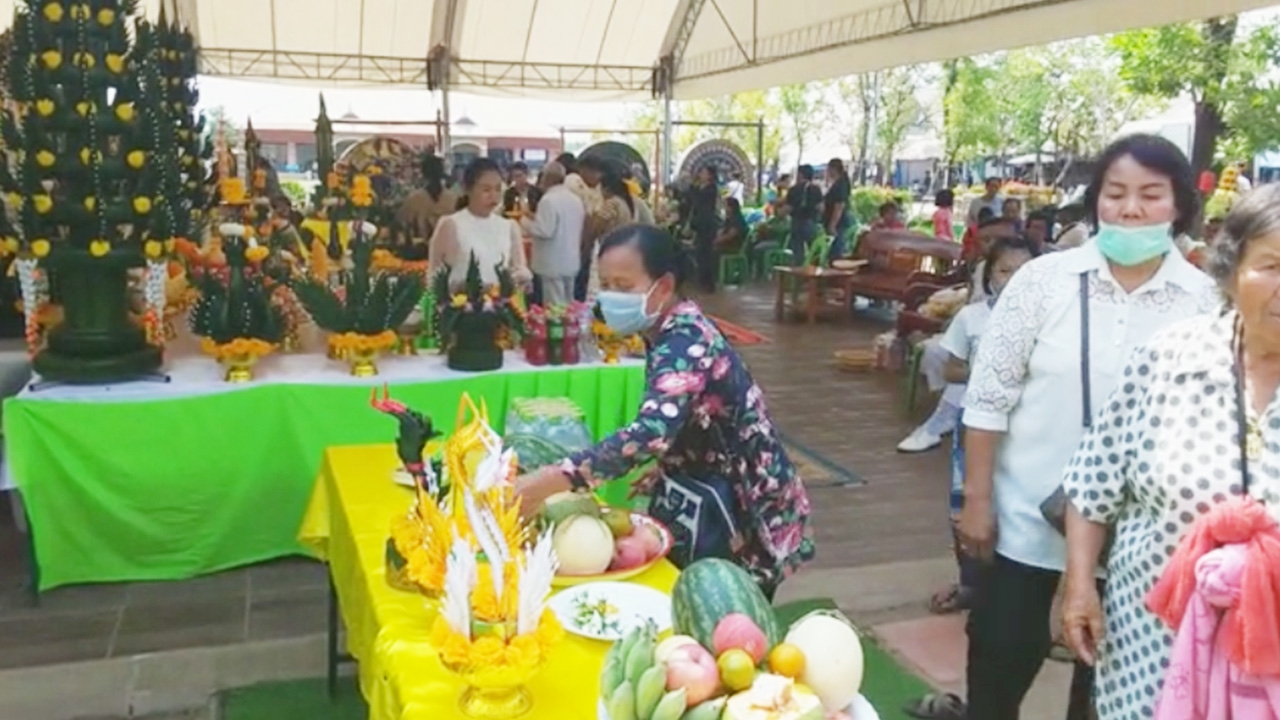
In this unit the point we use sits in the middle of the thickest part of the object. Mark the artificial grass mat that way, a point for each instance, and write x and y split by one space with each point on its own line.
885 683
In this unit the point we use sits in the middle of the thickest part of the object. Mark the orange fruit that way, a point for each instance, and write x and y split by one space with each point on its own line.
737 669
787 660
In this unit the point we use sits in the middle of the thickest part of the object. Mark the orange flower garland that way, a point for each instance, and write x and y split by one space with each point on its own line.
356 342
490 652
240 347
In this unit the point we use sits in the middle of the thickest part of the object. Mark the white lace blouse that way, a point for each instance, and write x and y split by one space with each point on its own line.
1026 377
494 240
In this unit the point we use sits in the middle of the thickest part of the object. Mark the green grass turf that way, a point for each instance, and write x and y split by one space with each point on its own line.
885 683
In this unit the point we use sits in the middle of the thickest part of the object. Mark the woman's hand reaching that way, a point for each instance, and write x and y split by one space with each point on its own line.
1083 626
534 488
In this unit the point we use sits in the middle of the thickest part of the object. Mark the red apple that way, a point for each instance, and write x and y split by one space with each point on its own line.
628 552
650 538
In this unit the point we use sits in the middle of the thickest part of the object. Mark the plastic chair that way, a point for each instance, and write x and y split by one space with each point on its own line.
734 269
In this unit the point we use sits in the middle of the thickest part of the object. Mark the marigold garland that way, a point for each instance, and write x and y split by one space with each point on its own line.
490 652
240 347
349 341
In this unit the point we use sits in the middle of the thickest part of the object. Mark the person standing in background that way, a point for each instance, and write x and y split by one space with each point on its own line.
735 188
835 206
704 221
521 197
942 216
804 200
990 199
422 209
556 229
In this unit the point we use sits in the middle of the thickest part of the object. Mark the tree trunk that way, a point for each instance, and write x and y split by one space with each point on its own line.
1219 34
952 69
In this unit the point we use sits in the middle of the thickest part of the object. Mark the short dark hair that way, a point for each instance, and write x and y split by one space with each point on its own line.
805 172
1040 216
944 198
784 177
985 214
660 253
1158 155
591 162
519 167
1000 246
1254 215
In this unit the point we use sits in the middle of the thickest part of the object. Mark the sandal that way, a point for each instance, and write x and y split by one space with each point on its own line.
952 600
937 706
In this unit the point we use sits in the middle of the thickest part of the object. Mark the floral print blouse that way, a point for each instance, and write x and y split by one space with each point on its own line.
704 415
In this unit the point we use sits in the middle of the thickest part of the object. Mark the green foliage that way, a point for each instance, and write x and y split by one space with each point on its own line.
800 105
368 303
1219 65
238 306
81 84
865 201
295 191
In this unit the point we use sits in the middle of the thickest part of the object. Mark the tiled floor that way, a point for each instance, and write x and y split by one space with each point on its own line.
854 420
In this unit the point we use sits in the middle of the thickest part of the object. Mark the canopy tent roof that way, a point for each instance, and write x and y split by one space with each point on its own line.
609 49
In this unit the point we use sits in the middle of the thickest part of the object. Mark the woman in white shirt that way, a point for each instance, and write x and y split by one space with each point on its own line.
1057 341
479 229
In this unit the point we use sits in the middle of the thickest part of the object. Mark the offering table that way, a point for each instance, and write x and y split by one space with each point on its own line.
165 481
347 524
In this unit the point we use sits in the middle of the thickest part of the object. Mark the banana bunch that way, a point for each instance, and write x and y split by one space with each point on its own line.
633 685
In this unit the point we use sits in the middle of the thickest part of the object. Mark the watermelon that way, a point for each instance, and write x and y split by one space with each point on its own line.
710 589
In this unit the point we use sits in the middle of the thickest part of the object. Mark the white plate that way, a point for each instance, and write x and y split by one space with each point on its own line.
859 710
626 606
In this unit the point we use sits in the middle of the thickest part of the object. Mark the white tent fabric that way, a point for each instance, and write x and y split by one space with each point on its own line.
607 49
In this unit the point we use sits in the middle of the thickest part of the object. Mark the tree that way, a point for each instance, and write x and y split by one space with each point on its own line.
1227 75
799 105
900 111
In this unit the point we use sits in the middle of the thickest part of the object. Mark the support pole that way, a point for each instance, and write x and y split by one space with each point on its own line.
562 147
446 126
666 136
760 162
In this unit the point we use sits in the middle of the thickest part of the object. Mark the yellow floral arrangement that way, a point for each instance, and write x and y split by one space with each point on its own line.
361 191
240 347
423 536
614 345
356 342
522 651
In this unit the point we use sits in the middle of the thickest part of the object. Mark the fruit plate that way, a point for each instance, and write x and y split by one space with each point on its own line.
860 709
610 610
637 519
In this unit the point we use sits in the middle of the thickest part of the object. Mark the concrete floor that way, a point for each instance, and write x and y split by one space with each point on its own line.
883 547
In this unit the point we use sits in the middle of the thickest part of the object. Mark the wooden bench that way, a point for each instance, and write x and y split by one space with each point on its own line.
900 259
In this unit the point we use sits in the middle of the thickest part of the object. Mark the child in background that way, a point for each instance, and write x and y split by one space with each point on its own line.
890 218
1002 260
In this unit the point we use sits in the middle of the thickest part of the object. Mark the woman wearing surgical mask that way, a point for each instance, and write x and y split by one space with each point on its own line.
1055 348
723 484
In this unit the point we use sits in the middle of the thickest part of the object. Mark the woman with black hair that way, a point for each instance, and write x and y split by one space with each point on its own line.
422 209
1055 348
835 206
804 199
479 229
724 485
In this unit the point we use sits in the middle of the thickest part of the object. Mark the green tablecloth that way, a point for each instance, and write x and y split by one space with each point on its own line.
177 487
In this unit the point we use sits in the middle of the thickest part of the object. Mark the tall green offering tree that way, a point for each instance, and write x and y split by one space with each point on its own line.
91 158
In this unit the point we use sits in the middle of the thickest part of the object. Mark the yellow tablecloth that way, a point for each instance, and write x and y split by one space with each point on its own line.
321 229
347 524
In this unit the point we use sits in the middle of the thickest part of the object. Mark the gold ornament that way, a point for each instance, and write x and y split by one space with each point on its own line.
84 108
46 159
45 107
99 247
52 59
124 111
43 203
106 16
80 11
53 12
11 245
84 59
115 63
153 249
142 205
136 159
40 247
90 203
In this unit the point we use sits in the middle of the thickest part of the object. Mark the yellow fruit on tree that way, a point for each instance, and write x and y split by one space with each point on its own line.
787 660
737 670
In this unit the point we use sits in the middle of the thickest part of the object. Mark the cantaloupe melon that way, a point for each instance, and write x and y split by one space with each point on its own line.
833 657
583 545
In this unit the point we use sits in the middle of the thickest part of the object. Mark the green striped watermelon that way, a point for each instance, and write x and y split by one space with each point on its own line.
708 590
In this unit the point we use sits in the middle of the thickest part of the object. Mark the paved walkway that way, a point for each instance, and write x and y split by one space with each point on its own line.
882 548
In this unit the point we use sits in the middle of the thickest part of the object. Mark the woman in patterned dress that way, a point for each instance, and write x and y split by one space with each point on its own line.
1178 436
724 483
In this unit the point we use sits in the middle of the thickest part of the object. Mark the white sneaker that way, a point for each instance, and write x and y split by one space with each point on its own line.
919 440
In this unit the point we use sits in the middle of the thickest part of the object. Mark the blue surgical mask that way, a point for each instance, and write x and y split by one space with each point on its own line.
626 313
1129 246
